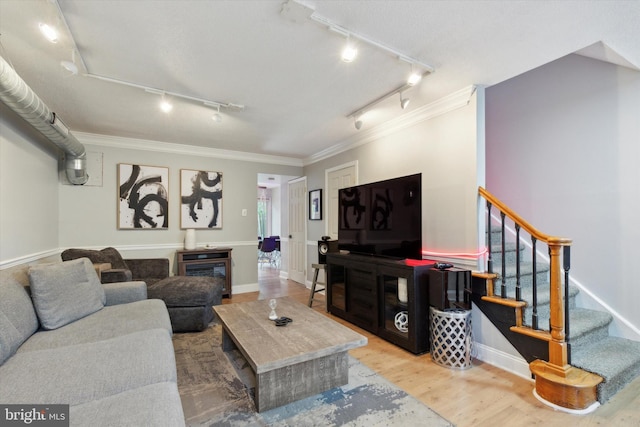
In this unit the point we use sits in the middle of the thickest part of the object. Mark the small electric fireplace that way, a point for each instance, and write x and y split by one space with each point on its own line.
207 262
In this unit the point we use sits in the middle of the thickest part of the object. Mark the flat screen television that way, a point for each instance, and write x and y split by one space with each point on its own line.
382 218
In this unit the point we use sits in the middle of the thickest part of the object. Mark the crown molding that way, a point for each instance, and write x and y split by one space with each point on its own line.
429 111
172 148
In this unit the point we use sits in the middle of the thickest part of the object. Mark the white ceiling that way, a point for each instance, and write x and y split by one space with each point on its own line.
288 75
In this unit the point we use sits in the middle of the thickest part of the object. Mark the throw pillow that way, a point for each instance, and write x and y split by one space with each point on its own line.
106 255
65 292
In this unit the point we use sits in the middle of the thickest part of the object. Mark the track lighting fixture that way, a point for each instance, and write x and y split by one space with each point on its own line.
49 32
165 105
404 102
414 77
349 52
217 117
71 65
357 123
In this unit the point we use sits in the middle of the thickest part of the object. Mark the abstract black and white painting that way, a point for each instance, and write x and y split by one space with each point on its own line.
201 196
143 193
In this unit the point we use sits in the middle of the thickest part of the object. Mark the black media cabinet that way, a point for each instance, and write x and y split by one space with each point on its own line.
386 297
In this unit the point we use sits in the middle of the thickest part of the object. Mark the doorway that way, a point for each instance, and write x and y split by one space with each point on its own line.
272 221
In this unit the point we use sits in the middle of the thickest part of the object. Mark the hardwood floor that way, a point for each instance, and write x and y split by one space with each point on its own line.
480 396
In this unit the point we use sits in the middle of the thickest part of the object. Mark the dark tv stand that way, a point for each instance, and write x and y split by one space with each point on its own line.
369 291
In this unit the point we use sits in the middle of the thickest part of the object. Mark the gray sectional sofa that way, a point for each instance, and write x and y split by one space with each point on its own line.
105 350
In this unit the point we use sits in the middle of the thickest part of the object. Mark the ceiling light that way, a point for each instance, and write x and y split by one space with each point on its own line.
70 65
414 77
404 102
49 32
358 123
165 105
217 117
349 52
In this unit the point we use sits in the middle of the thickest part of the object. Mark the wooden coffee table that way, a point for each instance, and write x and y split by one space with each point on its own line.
304 358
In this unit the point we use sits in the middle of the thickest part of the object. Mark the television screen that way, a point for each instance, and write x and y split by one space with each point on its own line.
382 218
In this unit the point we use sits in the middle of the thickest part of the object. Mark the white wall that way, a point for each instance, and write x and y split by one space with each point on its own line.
563 149
29 191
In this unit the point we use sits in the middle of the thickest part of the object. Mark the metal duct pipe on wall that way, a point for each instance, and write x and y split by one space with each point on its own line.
15 93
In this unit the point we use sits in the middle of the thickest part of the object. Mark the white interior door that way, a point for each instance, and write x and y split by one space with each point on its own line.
298 230
337 178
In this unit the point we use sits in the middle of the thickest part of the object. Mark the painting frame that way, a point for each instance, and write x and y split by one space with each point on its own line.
143 197
200 199
315 205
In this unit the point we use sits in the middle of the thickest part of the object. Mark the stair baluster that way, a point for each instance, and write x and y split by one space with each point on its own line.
534 316
518 283
566 265
490 258
503 288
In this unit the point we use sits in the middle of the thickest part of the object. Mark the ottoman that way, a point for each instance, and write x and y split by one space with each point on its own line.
189 300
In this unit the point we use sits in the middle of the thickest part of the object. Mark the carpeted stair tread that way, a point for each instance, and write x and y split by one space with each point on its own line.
615 359
586 326
526 268
526 293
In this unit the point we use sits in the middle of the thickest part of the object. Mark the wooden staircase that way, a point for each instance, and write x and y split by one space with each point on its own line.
534 308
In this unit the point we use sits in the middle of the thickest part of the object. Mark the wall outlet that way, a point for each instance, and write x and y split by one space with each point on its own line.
244 212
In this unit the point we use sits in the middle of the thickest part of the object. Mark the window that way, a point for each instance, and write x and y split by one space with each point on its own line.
264 212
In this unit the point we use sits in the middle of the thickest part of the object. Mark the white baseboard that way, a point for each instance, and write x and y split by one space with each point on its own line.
243 289
502 360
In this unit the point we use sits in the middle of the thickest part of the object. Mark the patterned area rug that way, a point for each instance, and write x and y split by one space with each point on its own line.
217 389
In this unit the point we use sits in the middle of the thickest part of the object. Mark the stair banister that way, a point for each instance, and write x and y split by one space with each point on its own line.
558 353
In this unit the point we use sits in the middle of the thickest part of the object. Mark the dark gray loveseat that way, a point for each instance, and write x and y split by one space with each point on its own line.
189 299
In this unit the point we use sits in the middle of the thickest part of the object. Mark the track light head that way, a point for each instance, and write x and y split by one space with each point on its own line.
217 117
404 102
349 52
414 77
49 32
70 66
165 105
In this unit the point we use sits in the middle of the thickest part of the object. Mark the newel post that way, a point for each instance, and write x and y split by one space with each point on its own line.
557 345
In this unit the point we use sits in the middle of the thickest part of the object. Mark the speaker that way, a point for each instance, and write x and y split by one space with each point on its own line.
324 247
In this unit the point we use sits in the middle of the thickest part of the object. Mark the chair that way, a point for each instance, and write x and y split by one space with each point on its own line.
267 252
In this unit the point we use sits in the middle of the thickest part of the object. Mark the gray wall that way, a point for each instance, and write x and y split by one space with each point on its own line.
563 149
88 215
444 149
39 216
28 191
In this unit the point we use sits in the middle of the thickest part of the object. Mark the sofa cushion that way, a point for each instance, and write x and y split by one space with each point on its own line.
187 291
110 322
18 319
65 292
156 405
81 373
107 255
